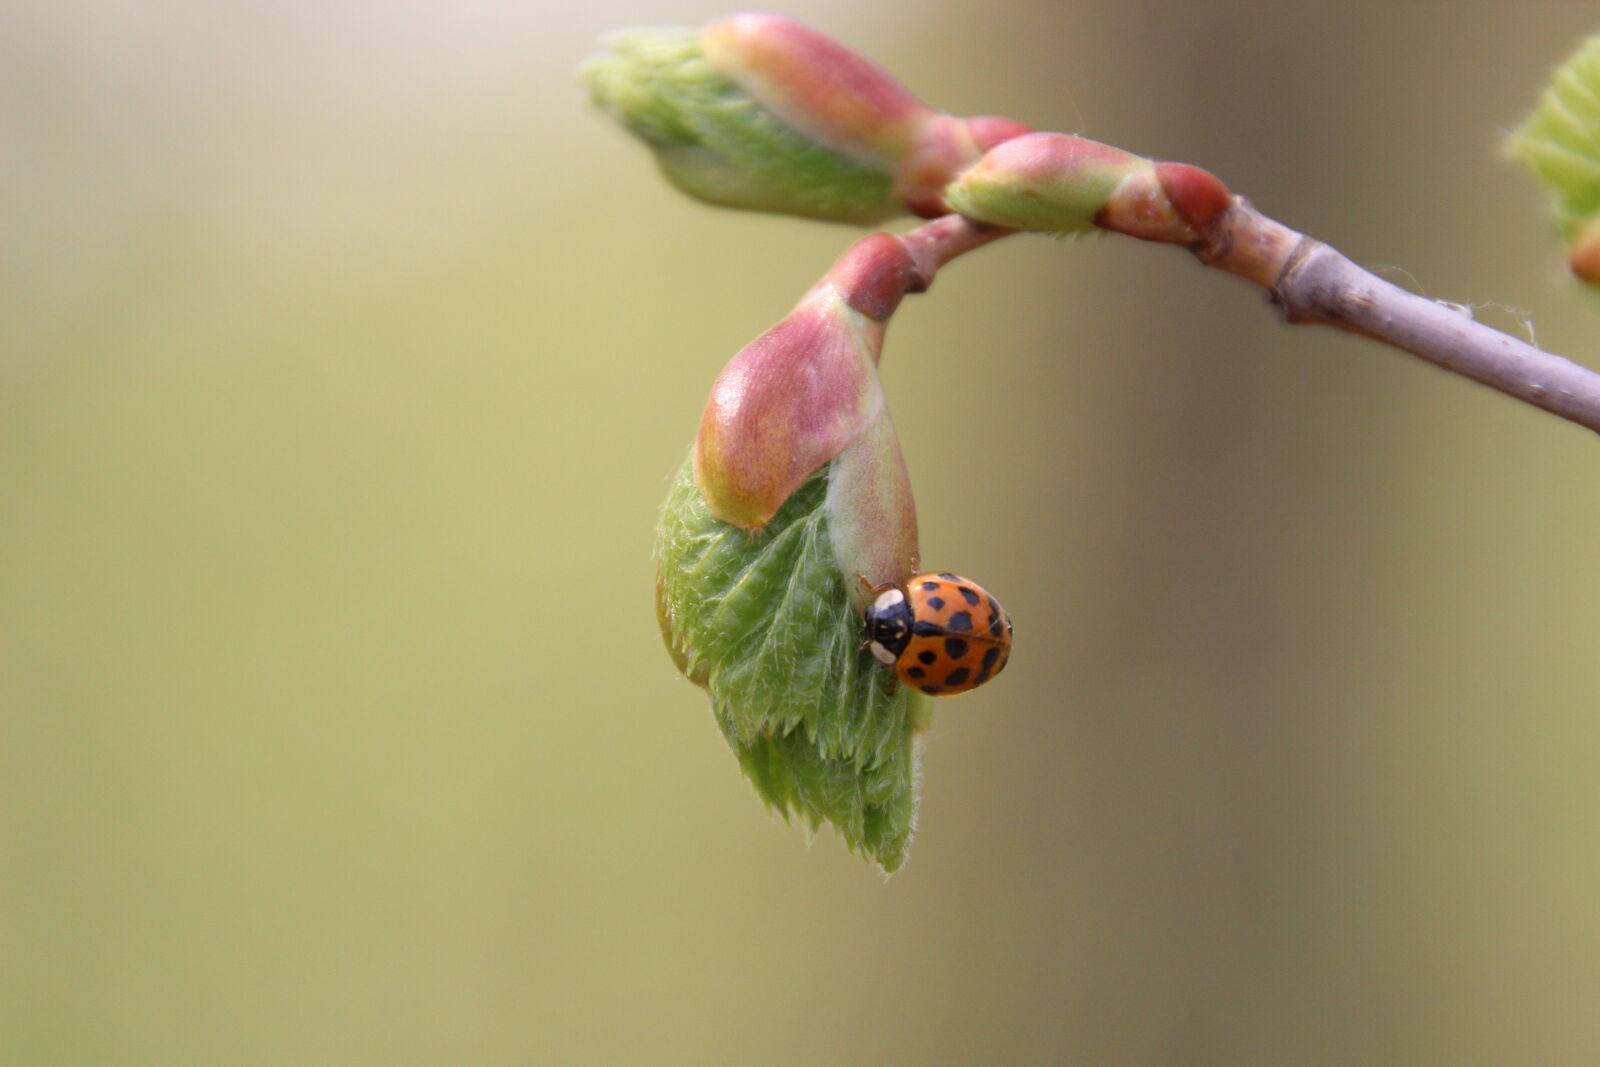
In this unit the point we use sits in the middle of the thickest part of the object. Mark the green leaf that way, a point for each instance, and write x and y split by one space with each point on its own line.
1560 140
718 145
764 621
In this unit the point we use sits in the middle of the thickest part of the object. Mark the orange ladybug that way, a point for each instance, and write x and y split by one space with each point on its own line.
942 633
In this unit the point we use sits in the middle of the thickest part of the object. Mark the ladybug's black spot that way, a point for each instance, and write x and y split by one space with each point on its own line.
969 595
955 647
915 672
956 677
936 603
927 655
948 576
987 668
924 628
932 690
930 586
994 625
960 622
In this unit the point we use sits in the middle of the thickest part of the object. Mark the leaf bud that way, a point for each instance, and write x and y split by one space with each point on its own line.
765 113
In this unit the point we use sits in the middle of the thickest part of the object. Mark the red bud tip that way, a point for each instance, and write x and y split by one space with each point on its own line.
1585 262
1198 196
1585 258
1169 202
874 275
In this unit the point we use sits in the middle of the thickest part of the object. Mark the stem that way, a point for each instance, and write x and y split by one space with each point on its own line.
933 244
1314 283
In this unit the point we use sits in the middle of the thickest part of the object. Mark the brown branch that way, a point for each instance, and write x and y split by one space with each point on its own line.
1314 283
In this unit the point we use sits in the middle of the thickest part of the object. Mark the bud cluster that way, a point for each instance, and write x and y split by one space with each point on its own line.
795 501
765 113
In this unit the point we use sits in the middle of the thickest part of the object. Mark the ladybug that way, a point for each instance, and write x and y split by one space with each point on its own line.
942 633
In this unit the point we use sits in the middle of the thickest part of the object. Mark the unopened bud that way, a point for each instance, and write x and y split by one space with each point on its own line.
806 393
795 502
817 86
1061 183
765 113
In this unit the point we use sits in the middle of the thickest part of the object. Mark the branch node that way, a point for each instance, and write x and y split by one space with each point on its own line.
1292 264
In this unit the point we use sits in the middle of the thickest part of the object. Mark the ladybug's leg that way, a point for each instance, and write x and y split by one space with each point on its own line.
869 587
866 642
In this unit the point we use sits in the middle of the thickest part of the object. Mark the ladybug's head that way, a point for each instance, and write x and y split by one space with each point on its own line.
888 623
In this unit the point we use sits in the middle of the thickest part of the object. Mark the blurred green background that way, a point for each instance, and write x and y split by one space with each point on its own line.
346 353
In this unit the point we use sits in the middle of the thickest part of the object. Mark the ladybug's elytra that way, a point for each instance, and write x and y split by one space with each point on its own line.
942 633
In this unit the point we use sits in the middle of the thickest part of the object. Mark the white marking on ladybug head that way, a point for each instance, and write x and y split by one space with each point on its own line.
881 654
888 599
